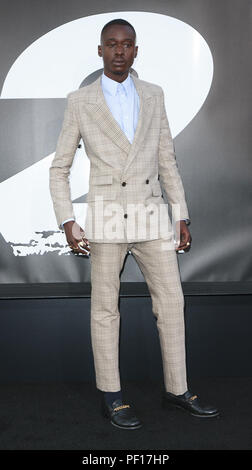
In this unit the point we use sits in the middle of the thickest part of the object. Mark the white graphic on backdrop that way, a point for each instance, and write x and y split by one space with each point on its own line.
176 57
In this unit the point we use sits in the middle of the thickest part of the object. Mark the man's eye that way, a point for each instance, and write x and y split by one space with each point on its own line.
113 44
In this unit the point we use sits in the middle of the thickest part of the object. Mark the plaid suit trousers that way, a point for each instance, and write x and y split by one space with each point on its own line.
160 269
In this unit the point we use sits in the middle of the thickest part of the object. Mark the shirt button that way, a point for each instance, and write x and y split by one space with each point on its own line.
147 181
125 216
124 184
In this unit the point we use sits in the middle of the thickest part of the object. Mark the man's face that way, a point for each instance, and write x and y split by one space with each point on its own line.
118 51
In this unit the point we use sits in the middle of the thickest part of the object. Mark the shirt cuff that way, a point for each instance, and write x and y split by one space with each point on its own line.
67 220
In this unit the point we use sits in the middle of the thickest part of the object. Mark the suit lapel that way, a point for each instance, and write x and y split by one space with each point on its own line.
96 104
146 108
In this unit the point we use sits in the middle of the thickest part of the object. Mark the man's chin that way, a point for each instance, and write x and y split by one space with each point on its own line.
119 72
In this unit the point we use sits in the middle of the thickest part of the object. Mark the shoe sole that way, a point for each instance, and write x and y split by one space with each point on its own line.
125 427
172 406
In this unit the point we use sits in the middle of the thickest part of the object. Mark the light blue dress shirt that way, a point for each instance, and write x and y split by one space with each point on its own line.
123 102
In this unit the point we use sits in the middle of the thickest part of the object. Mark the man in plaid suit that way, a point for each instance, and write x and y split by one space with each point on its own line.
125 130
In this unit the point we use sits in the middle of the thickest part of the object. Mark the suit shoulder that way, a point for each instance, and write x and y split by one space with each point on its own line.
85 92
152 88
76 94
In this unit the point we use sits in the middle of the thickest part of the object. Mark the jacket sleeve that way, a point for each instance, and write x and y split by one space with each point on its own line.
168 170
59 171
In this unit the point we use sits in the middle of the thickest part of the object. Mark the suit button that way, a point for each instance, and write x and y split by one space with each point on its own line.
124 184
125 216
147 181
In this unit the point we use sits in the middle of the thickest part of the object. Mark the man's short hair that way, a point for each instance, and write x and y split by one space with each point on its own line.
117 21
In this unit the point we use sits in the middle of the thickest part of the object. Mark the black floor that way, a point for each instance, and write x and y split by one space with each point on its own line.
67 416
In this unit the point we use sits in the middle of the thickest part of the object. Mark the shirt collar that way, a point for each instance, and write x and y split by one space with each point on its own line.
110 85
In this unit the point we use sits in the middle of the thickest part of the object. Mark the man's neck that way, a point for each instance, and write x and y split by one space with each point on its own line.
116 77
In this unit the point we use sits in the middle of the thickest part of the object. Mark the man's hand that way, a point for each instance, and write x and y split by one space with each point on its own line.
75 236
183 236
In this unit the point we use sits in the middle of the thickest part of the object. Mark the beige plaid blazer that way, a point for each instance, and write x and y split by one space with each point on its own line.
125 201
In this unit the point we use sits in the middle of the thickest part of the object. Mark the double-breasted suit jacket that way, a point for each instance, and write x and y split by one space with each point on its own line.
125 199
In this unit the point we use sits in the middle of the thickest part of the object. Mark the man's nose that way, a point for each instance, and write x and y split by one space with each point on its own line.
119 50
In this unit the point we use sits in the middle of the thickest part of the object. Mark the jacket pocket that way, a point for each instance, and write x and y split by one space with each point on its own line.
101 185
102 179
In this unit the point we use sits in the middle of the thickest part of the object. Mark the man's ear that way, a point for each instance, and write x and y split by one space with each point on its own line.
99 51
136 50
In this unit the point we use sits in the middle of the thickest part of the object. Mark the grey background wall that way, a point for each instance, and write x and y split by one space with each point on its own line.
213 151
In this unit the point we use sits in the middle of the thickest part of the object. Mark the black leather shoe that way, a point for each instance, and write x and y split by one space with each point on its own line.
120 415
189 403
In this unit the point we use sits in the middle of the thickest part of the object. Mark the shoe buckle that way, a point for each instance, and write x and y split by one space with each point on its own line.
121 407
193 397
